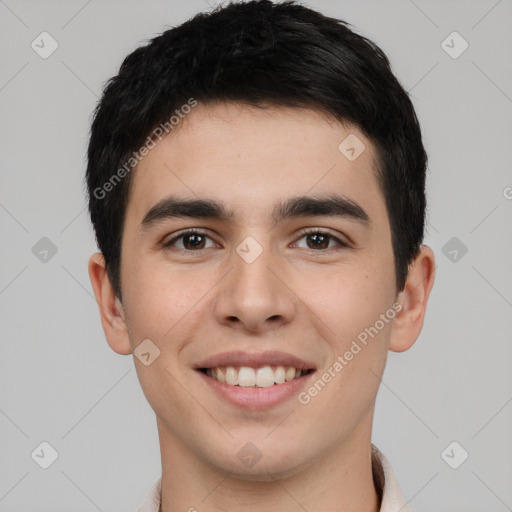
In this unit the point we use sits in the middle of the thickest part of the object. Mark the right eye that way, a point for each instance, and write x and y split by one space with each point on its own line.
192 240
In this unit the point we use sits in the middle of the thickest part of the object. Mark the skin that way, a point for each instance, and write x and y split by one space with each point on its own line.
294 297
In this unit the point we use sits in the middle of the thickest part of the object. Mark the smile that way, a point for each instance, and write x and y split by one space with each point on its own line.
261 377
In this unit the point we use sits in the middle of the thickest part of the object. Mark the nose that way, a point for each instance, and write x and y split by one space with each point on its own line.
254 295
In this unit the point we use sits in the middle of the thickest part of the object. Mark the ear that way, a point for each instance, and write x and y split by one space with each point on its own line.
408 322
111 309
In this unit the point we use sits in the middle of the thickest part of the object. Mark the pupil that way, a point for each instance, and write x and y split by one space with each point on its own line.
318 237
198 240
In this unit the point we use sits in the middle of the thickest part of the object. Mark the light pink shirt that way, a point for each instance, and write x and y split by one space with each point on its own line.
385 482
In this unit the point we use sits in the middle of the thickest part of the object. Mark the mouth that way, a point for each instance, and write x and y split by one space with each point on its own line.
255 381
264 376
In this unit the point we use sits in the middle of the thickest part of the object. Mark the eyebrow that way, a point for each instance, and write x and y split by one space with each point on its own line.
332 205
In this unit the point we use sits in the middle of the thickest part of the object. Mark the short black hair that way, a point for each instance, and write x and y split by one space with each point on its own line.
257 53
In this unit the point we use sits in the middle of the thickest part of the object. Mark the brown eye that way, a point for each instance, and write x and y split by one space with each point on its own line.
320 240
190 240
193 241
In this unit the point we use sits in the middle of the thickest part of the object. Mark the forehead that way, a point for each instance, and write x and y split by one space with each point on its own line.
248 156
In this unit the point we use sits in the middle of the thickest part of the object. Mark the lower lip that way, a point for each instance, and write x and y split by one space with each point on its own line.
254 398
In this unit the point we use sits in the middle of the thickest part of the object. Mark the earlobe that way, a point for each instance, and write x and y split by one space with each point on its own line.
408 322
111 309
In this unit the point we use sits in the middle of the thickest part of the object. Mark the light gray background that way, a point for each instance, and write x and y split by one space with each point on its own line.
61 383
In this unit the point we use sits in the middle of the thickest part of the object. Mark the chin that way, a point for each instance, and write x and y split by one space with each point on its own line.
265 465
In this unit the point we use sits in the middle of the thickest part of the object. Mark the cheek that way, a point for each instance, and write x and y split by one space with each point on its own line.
351 305
165 299
354 306
348 300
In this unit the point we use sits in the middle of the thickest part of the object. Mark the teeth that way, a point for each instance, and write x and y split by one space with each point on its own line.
246 377
262 377
231 376
221 376
290 373
265 377
280 375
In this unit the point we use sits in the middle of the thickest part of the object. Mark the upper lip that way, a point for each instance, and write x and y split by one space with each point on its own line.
254 360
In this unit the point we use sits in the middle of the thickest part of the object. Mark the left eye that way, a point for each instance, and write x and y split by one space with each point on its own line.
317 239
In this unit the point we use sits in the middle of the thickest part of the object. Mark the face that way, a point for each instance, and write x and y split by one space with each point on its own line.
266 280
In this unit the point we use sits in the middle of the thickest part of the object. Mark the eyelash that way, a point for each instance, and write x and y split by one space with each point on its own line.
303 233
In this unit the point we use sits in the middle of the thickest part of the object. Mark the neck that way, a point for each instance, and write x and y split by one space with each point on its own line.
341 480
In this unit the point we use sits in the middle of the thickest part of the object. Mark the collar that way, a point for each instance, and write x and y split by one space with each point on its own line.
383 477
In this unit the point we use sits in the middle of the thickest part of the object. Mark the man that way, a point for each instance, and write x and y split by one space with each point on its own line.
256 182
